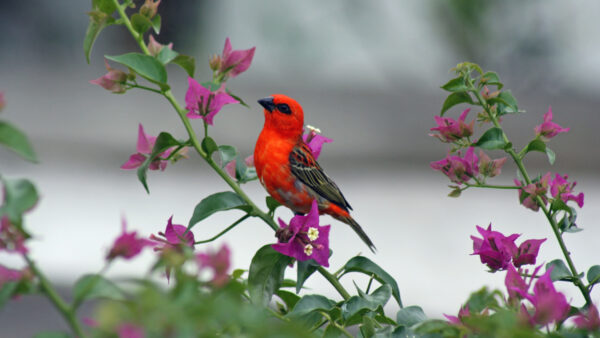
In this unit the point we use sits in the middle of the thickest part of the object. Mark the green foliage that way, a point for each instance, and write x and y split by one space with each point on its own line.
20 195
156 23
454 99
15 140
186 62
456 85
560 271
94 287
146 66
140 23
491 78
364 265
493 138
209 146
310 304
593 275
356 307
305 270
166 55
410 316
163 142
220 201
266 274
100 18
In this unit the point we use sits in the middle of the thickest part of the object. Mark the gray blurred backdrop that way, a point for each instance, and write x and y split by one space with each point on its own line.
367 74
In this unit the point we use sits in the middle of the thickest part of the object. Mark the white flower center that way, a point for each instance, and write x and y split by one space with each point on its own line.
313 233
308 249
316 130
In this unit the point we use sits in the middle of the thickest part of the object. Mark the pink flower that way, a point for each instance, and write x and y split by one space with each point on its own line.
128 330
451 130
494 249
11 238
145 144
549 129
154 47
204 104
219 262
588 320
114 80
528 194
462 313
459 169
527 252
174 236
550 305
9 275
235 62
304 238
128 244
315 141
560 188
489 167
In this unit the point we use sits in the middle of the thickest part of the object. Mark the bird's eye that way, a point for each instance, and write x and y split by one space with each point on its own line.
284 108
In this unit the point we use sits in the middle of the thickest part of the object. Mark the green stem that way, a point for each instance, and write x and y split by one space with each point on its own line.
224 231
518 161
336 283
138 37
145 88
490 186
65 310
369 285
341 328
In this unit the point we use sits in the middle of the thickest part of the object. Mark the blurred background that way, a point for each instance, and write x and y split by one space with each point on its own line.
367 74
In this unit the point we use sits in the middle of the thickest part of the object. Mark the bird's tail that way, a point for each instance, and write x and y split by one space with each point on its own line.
343 216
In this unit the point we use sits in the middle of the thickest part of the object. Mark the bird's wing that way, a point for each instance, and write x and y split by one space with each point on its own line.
308 171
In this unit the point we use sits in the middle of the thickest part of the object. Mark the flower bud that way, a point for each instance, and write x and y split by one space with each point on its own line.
215 62
149 8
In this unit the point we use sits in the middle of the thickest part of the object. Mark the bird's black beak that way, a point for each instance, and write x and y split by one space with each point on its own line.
267 103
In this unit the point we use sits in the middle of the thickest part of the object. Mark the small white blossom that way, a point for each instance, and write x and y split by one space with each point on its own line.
313 233
308 249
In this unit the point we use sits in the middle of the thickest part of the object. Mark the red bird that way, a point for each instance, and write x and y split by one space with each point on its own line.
288 170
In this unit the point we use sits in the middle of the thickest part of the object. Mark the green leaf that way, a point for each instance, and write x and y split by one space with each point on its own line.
456 85
558 204
289 298
106 6
357 306
145 65
367 329
156 22
94 286
567 222
491 139
20 196
507 104
483 298
369 268
491 78
551 155
93 30
140 23
266 274
228 153
17 141
311 303
593 275
455 193
333 331
6 291
166 55
209 146
454 99
186 62
237 98
272 204
410 316
535 145
305 270
559 270
220 201
163 142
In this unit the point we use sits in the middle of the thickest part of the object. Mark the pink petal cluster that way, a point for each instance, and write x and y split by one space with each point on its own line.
588 320
459 169
549 129
154 47
451 130
315 142
462 313
498 251
201 103
114 80
174 236
11 238
219 262
549 304
128 244
145 144
9 275
304 238
235 62
561 188
528 193
128 330
489 167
